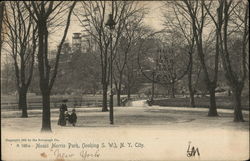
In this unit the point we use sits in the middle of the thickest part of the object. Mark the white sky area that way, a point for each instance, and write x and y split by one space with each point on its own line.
152 19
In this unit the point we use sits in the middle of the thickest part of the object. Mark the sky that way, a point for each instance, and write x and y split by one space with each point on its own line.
152 19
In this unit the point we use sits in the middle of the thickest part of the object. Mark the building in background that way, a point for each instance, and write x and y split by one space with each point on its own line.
82 42
76 42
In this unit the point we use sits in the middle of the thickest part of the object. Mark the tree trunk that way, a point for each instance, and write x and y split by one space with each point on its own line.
22 104
238 117
191 96
104 98
172 90
153 88
46 124
19 98
128 93
191 93
118 97
190 87
119 90
212 108
2 4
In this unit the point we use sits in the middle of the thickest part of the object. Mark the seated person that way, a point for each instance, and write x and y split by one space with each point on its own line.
73 117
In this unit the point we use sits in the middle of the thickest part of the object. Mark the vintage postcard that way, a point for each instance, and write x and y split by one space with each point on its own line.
124 80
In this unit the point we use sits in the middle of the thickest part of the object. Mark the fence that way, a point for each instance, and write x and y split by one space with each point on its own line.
37 104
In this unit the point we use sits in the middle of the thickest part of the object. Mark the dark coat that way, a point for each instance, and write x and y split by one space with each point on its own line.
64 107
62 119
73 118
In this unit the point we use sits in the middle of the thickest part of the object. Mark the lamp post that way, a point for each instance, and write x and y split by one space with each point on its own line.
111 24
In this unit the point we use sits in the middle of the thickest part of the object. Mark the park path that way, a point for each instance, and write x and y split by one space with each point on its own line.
139 103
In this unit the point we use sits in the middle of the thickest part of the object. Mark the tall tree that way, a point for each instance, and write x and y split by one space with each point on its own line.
92 15
21 37
232 18
130 36
163 60
180 22
173 62
131 73
140 48
47 14
85 75
2 6
8 82
197 14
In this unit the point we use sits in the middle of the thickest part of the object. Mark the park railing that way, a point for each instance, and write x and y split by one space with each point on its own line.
35 102
53 104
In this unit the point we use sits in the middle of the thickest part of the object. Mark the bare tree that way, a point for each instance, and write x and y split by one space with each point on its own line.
138 47
173 62
131 73
92 15
197 17
8 82
2 6
48 14
21 37
175 20
162 57
129 38
232 18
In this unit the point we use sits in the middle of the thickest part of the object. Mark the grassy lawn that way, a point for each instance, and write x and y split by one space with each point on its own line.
35 102
221 101
9 102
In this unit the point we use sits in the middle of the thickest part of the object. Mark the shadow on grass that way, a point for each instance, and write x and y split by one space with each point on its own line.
134 120
222 102
194 113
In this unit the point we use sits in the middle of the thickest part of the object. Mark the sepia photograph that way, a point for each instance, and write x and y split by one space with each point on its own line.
125 80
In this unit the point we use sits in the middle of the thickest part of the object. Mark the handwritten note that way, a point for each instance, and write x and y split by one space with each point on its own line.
55 149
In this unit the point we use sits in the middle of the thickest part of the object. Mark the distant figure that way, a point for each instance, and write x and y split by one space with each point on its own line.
67 116
150 101
73 117
183 93
62 118
64 106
